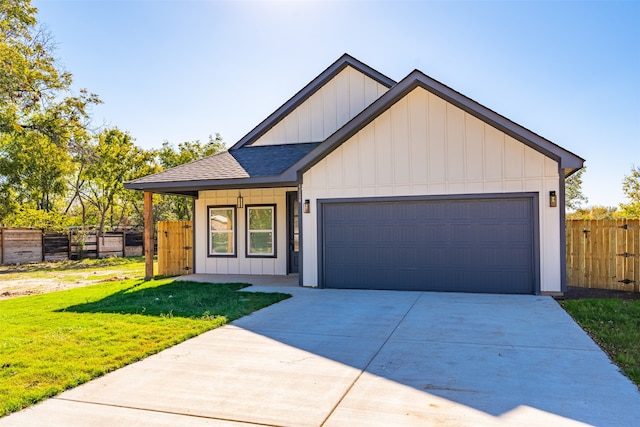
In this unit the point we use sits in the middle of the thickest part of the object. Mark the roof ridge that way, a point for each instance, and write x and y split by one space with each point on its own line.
309 89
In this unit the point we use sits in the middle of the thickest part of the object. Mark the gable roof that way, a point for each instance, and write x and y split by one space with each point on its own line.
306 92
567 161
245 166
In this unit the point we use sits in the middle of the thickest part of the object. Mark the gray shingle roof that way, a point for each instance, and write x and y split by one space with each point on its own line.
245 162
271 160
218 166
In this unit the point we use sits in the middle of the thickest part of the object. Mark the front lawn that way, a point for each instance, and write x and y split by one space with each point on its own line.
615 325
56 341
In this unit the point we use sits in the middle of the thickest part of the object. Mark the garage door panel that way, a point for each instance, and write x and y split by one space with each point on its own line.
469 245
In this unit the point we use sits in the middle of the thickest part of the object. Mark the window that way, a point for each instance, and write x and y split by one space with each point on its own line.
261 231
222 228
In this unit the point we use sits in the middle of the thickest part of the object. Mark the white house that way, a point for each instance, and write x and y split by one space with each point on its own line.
359 181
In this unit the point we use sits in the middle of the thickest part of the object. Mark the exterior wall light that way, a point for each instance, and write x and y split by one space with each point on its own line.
553 199
240 203
306 207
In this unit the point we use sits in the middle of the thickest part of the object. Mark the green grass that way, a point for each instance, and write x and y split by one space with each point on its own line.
56 341
615 325
73 269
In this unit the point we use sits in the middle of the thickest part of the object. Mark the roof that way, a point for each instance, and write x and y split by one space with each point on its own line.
311 88
231 168
567 161
245 166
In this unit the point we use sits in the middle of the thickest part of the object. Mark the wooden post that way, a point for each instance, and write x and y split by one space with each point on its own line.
148 235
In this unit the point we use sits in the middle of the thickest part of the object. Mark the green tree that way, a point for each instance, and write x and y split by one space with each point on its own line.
110 160
631 188
41 121
176 207
573 196
594 212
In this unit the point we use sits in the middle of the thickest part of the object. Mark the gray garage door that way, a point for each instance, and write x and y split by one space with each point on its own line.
464 245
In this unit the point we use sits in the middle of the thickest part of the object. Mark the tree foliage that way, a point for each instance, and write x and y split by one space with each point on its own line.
109 161
41 121
574 198
167 208
54 171
595 212
631 189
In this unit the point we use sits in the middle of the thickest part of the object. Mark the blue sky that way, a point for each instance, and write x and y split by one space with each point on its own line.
184 70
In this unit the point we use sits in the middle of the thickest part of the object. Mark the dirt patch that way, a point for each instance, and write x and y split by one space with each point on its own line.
27 282
584 293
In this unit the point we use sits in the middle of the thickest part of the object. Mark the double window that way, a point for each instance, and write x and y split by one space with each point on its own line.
260 231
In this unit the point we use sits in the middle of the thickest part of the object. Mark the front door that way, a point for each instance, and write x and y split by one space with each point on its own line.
293 231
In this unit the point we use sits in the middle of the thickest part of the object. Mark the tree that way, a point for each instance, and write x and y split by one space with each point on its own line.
631 188
573 191
186 152
594 212
110 160
176 207
40 120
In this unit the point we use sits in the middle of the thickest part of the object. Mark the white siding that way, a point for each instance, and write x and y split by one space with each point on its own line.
424 146
241 264
333 105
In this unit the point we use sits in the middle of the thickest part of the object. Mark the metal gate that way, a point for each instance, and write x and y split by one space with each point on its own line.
175 248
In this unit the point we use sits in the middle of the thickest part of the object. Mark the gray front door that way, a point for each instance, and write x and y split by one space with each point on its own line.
293 232
466 245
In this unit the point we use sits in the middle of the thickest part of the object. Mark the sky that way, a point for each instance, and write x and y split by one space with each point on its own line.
183 70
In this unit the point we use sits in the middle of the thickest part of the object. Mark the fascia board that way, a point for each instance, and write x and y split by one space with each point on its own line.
565 159
189 187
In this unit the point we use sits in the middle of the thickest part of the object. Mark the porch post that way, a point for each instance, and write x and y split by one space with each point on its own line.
148 235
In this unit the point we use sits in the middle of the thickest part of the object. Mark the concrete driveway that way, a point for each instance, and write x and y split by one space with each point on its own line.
366 358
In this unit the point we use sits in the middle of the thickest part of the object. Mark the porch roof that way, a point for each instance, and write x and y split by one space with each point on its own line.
240 168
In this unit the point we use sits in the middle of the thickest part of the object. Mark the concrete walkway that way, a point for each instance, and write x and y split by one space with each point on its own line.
365 358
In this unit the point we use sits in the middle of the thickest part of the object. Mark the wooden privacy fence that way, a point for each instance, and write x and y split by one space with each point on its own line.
21 246
604 254
175 248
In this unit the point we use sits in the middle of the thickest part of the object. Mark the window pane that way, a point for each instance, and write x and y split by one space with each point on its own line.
260 218
221 219
221 243
261 243
221 231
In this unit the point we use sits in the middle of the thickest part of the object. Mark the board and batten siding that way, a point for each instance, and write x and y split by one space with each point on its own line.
241 264
422 145
327 110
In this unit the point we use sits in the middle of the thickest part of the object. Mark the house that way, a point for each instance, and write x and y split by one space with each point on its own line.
359 181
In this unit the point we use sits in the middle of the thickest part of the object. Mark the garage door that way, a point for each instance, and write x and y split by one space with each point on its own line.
464 245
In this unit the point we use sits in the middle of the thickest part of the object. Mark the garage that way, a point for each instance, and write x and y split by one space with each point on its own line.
479 243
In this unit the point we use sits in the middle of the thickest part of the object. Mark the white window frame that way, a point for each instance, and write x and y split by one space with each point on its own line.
272 230
233 231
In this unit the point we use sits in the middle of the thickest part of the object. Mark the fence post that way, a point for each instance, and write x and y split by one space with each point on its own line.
1 246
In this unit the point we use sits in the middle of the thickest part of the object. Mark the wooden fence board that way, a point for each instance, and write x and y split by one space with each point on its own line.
18 246
604 254
56 246
175 248
22 246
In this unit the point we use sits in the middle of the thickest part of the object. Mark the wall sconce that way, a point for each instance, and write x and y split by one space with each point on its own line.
306 207
553 199
240 203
